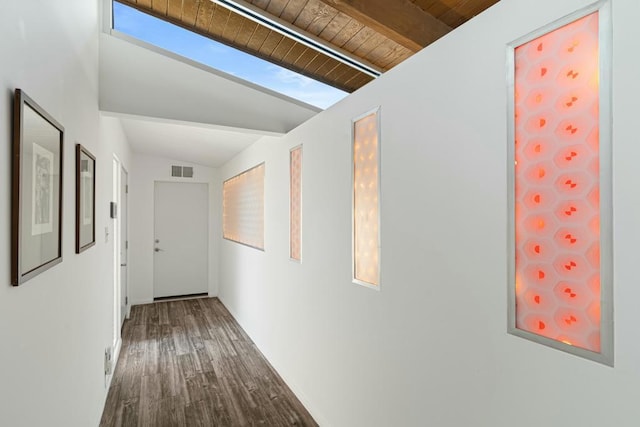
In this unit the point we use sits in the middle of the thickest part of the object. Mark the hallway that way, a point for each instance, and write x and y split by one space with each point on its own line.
188 363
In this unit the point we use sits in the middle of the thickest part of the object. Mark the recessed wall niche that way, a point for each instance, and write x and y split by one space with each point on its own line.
243 207
560 288
366 199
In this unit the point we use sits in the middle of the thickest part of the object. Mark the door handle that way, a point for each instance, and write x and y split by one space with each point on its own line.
123 265
158 249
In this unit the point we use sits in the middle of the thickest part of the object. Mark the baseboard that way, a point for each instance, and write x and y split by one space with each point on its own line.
315 413
109 378
116 358
151 301
141 302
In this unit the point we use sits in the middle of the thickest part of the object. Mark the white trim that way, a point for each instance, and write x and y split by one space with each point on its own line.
606 356
106 15
116 166
223 128
108 378
143 301
127 305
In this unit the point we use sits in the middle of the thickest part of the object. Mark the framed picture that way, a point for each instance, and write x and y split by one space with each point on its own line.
36 193
85 199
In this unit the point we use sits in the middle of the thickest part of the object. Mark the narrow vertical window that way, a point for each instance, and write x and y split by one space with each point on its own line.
366 199
295 202
243 208
560 234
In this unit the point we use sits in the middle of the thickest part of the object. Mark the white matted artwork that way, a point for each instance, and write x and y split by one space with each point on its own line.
36 193
85 199
42 191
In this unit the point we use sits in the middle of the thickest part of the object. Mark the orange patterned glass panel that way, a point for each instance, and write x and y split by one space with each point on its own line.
243 208
365 199
557 185
295 175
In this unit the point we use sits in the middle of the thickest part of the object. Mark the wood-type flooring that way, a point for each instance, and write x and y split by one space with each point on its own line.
188 363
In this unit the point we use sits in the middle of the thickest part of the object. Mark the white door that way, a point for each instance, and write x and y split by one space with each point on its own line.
124 245
180 264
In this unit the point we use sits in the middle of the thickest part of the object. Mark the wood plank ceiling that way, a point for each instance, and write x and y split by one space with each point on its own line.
378 33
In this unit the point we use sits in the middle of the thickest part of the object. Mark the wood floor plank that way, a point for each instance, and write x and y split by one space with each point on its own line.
189 363
129 412
171 413
151 387
163 313
180 340
111 405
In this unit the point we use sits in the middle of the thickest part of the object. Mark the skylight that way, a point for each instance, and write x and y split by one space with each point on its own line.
222 57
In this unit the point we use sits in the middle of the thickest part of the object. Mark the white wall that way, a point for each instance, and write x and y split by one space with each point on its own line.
145 172
55 327
113 136
431 348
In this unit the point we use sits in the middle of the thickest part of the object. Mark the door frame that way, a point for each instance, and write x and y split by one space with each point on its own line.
117 170
115 232
124 288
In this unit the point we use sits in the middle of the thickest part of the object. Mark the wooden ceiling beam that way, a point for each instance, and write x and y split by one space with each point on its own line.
400 20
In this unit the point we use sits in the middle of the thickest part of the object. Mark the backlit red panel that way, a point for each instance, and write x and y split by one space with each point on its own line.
557 222
365 200
243 208
295 175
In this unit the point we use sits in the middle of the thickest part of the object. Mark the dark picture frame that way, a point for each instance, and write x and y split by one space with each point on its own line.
36 191
85 199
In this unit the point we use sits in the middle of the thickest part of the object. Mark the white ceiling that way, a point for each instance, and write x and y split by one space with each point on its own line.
194 143
142 80
175 108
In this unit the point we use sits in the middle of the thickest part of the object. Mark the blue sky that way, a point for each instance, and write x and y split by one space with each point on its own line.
222 57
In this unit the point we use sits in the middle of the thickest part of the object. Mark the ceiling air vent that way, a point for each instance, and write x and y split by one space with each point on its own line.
182 171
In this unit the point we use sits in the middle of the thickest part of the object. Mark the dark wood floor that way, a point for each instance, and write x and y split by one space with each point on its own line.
188 363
